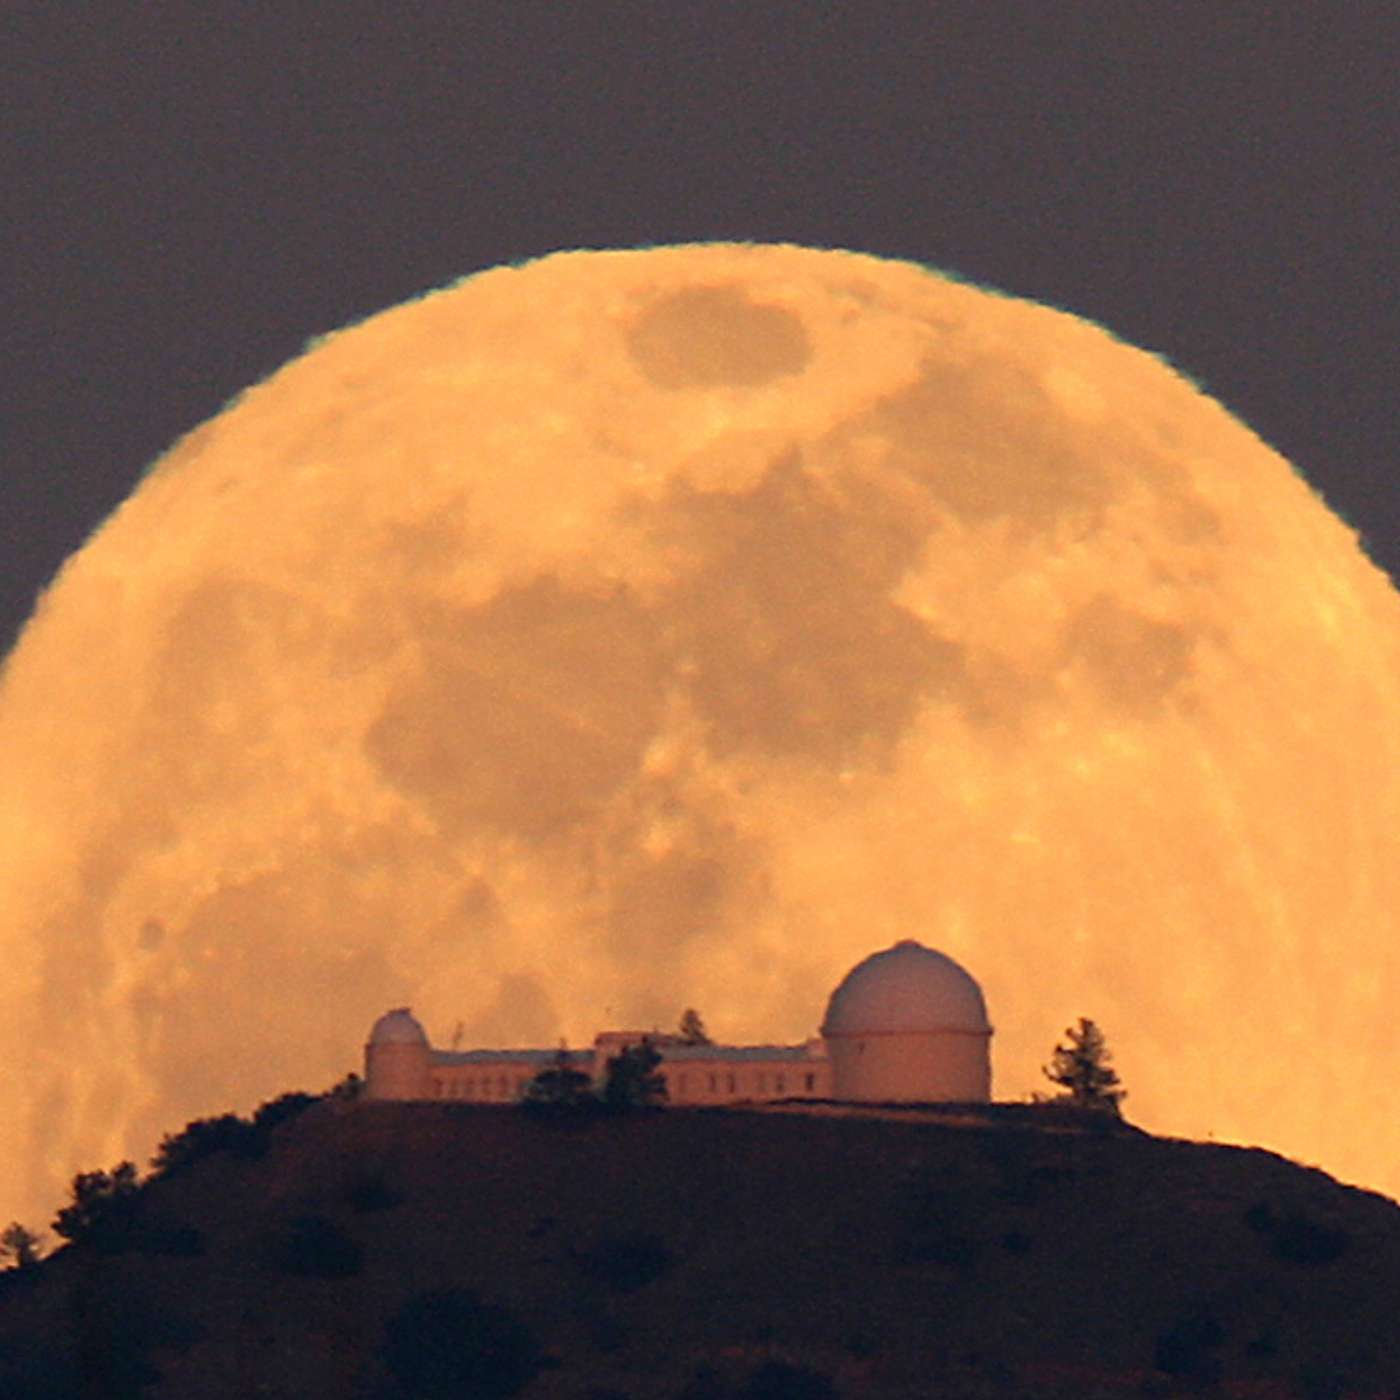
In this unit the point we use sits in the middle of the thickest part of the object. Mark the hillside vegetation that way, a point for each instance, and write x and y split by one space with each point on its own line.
392 1251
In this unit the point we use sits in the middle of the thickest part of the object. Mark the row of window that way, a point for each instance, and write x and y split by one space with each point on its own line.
500 1088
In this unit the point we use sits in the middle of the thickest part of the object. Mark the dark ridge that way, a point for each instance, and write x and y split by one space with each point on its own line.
392 1251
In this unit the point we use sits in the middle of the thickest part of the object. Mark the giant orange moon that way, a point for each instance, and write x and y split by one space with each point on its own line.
627 631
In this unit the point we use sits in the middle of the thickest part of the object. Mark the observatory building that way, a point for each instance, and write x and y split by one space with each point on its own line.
906 1025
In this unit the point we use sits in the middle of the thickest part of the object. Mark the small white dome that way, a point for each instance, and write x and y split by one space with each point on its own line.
398 1027
906 988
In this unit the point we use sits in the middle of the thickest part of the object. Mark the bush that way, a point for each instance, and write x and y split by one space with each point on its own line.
116 1331
310 1246
372 1192
448 1344
1187 1348
560 1090
171 1239
626 1262
1296 1237
36 1370
929 1227
780 1380
349 1089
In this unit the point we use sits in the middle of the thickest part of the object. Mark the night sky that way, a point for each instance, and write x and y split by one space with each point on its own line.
191 191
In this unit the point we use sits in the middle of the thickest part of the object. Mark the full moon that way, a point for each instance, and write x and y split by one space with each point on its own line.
628 631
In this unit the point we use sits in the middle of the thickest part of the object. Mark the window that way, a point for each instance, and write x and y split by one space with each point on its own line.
811 1083
733 1087
714 1083
780 1085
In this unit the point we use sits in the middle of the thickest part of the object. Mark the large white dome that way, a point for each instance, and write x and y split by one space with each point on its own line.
398 1027
906 988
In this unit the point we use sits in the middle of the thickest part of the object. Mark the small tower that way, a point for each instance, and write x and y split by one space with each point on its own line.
397 1057
908 1025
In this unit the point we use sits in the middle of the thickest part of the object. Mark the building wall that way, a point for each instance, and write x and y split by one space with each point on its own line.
398 1071
912 1067
713 1079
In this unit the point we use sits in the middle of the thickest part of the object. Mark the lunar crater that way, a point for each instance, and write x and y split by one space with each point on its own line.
716 337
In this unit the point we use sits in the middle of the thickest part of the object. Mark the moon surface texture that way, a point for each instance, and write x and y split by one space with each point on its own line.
627 631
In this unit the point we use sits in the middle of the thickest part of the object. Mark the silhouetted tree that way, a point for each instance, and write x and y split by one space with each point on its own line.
103 1208
692 1029
351 1087
1082 1069
561 1087
202 1138
285 1106
632 1081
23 1248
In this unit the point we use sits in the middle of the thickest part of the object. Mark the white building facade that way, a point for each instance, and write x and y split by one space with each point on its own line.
906 1025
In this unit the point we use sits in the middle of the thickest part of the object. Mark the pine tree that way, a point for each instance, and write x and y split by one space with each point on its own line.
632 1081
1082 1069
23 1247
692 1029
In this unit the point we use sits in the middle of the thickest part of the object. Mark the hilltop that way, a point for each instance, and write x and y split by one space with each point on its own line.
705 1254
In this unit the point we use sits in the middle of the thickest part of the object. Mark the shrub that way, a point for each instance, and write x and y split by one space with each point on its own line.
1296 1237
560 1090
311 1246
1187 1348
35 1369
705 1384
447 1344
350 1088
173 1239
626 1262
116 1331
372 1192
929 1227
780 1380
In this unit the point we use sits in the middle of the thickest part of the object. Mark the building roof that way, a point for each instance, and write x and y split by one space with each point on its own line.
504 1057
759 1053
673 1053
398 1027
906 988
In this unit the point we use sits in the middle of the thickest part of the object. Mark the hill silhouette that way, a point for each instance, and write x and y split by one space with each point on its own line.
363 1251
